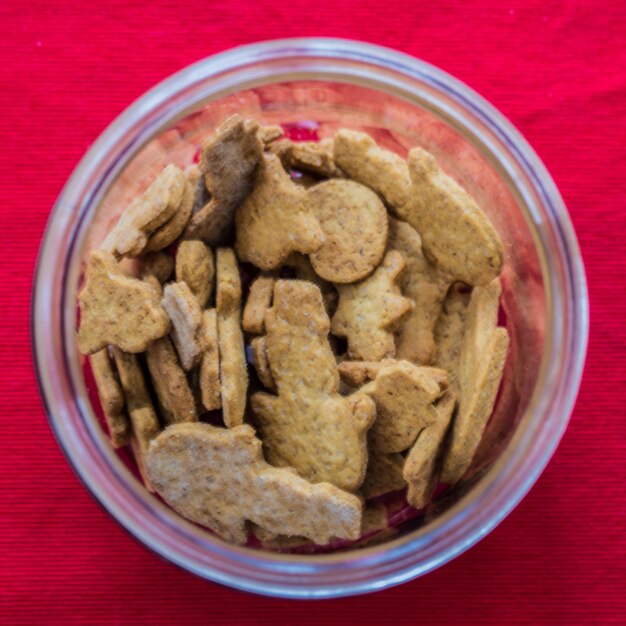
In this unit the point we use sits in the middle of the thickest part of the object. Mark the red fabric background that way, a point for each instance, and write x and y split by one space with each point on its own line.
557 70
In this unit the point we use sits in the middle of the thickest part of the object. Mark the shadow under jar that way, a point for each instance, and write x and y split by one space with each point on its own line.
313 87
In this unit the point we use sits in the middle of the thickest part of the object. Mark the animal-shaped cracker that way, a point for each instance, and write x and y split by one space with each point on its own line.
315 157
354 222
454 230
209 379
261 363
117 309
404 394
195 266
309 426
111 397
217 477
425 284
384 474
421 468
259 300
176 401
147 213
186 315
275 220
371 310
143 418
229 161
449 333
482 360
385 172
233 371
170 231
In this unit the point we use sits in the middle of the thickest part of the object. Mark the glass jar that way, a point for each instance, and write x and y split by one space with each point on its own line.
313 87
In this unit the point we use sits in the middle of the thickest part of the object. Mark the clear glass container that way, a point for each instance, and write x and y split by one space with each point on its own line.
313 87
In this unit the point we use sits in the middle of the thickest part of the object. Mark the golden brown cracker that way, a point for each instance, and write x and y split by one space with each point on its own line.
166 234
157 264
371 310
229 161
404 394
201 195
147 213
169 381
117 309
354 222
315 157
309 426
217 477
275 219
454 230
143 418
384 474
261 363
195 266
385 172
423 463
269 134
111 397
186 315
425 284
449 332
233 370
482 359
209 378
357 373
258 301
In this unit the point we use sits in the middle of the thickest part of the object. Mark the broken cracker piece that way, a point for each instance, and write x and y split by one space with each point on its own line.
166 234
425 284
229 161
315 157
453 228
384 474
186 316
259 300
217 477
355 226
269 134
404 394
111 397
275 219
371 310
482 361
385 172
357 373
147 213
422 465
261 362
195 266
117 309
233 370
169 381
209 379
143 418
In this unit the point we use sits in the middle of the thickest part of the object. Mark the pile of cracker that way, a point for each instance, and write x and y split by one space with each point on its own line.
364 357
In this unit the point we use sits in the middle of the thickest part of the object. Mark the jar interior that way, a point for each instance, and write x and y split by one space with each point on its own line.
317 109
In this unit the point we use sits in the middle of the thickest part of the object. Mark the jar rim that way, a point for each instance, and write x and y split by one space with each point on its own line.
368 569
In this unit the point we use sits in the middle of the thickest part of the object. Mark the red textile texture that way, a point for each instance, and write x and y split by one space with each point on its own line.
556 69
